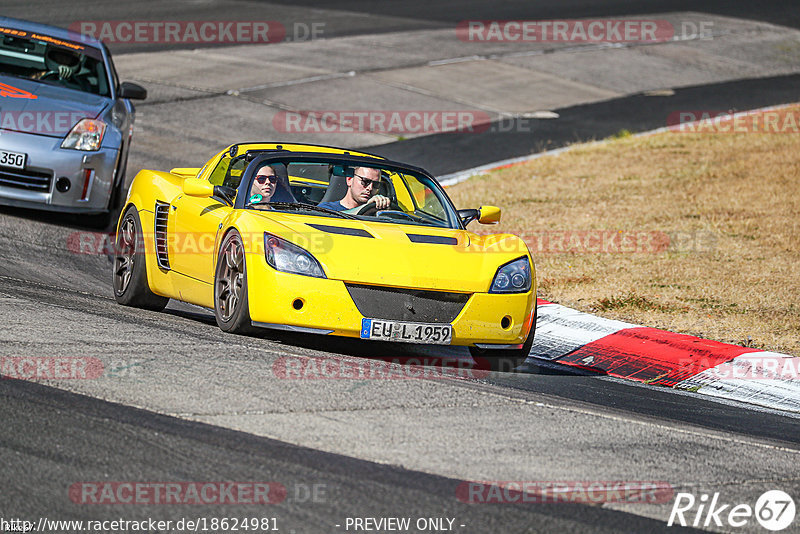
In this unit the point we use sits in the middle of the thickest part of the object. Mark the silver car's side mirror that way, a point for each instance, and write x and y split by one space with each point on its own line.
132 91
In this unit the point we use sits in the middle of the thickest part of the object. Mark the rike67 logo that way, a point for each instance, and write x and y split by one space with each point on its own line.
774 510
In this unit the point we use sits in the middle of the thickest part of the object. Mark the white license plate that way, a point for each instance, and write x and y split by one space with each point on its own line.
433 334
12 159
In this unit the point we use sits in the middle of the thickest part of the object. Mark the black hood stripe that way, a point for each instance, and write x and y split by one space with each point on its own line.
341 230
432 239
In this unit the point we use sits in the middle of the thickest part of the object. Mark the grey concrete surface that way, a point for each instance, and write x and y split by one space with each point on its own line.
731 56
214 70
493 85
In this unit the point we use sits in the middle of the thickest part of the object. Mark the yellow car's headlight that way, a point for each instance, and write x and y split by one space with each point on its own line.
289 258
513 277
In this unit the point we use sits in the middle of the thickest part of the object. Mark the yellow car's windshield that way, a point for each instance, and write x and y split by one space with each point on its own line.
374 192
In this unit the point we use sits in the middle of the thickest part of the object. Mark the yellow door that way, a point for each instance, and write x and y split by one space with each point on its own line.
193 225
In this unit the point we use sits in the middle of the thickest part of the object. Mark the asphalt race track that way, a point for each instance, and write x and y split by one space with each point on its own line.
180 401
352 487
56 438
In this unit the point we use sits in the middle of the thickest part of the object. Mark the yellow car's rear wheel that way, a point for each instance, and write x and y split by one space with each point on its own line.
231 307
129 269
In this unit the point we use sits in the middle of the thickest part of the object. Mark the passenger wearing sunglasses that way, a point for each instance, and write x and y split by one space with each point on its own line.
360 190
264 185
271 184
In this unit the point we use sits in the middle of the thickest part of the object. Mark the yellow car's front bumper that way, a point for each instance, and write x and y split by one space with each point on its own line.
319 305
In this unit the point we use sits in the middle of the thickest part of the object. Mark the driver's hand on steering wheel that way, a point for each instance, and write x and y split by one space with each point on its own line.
381 202
65 72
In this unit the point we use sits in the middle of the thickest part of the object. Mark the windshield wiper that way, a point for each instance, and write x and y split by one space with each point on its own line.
310 207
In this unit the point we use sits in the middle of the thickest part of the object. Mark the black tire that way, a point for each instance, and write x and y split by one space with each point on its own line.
129 275
231 306
117 196
99 221
506 360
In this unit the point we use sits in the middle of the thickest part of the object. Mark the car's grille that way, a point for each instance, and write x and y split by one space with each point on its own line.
412 305
25 179
162 212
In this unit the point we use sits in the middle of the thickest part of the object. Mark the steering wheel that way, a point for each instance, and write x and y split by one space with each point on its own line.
394 214
71 82
394 211
370 208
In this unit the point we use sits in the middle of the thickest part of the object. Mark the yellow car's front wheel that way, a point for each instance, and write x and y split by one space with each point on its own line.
231 307
129 269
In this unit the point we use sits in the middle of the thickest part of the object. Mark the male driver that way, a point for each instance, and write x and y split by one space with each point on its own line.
360 188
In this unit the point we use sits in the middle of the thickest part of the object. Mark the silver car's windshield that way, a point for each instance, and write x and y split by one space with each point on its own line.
53 61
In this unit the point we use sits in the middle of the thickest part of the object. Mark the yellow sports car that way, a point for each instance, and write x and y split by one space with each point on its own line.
325 240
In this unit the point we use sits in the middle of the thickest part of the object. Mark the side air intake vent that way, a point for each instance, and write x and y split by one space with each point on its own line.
162 212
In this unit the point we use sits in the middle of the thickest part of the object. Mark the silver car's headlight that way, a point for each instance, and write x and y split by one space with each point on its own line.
86 135
289 258
513 277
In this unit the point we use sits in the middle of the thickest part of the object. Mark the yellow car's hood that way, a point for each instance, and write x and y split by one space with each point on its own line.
400 255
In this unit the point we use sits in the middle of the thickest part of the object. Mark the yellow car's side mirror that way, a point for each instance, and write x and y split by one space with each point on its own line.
195 187
489 215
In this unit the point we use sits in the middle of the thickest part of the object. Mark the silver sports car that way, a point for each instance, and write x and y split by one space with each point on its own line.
66 121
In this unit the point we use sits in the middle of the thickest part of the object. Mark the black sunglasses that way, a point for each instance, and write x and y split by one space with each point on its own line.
261 178
366 182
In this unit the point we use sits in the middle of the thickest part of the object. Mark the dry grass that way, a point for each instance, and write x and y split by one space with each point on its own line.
729 203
